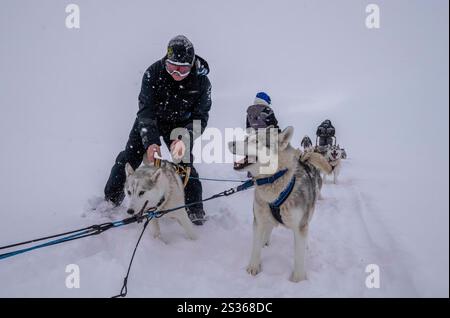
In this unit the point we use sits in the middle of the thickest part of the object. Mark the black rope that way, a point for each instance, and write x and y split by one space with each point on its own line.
149 214
46 238
215 196
124 289
100 228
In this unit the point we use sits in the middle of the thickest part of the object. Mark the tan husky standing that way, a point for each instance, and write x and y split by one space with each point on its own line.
287 197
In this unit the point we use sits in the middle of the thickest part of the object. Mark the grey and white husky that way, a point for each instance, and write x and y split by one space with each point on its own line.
301 170
152 186
307 144
334 156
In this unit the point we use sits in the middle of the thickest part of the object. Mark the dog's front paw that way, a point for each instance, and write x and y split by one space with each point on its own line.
253 269
297 277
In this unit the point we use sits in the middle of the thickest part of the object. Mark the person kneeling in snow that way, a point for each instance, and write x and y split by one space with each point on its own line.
175 92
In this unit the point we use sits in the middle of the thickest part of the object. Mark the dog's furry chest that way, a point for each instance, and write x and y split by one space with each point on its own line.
334 163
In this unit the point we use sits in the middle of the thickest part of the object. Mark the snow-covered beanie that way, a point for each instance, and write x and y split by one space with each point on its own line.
262 99
180 51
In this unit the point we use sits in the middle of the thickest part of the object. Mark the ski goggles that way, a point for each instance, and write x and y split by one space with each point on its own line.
178 68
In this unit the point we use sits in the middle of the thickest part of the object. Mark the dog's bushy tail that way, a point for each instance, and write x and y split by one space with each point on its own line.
317 160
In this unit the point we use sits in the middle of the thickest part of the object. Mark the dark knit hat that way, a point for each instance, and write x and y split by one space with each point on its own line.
180 51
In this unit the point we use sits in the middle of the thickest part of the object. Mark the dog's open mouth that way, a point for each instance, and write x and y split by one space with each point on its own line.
245 162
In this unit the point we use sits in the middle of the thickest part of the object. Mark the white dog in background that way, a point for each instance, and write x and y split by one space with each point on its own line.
333 155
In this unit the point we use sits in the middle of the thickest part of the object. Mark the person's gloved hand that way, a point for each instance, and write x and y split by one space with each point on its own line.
151 150
177 149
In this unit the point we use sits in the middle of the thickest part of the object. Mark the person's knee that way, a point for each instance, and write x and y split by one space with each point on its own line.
194 185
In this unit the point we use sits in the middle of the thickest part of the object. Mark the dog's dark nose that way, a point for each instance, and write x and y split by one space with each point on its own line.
130 211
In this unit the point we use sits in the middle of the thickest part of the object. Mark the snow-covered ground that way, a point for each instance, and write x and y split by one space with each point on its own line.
68 99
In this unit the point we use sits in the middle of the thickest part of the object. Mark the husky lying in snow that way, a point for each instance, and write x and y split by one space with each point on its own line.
298 175
157 187
334 156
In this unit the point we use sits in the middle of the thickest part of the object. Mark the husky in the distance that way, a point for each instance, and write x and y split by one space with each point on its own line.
307 144
334 155
160 187
287 196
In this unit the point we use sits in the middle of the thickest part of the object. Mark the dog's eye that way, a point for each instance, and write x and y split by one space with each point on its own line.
141 193
129 192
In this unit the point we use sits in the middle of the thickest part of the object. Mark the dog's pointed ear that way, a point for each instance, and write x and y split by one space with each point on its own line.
128 169
285 137
156 175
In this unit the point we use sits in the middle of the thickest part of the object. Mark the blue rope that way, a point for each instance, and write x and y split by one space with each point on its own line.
97 229
61 240
80 234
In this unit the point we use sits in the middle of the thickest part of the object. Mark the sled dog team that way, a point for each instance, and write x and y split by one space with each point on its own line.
287 197
175 92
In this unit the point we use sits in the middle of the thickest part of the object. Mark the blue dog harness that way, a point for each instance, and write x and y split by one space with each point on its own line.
275 205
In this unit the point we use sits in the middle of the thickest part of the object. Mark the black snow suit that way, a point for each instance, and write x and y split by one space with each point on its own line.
165 104
325 132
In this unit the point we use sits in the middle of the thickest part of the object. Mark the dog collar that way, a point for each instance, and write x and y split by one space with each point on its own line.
262 181
271 179
275 205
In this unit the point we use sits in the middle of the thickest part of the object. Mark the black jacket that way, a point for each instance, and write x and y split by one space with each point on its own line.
260 116
325 130
165 104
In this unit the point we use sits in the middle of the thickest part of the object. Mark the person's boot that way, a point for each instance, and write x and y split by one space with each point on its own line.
196 215
115 198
